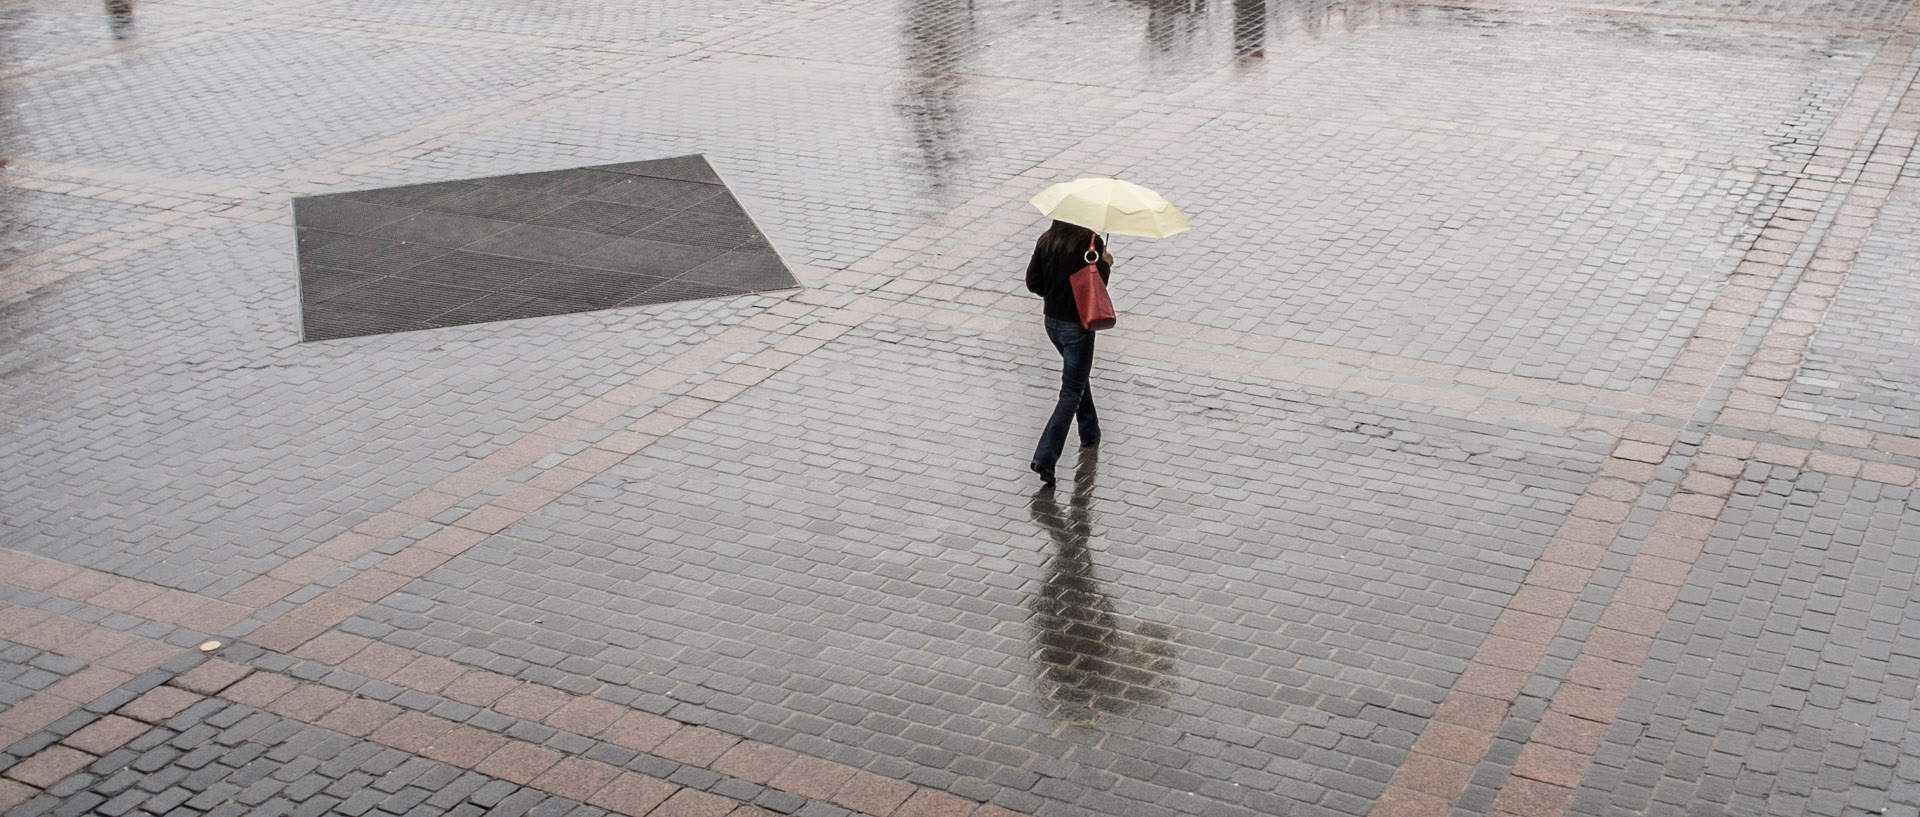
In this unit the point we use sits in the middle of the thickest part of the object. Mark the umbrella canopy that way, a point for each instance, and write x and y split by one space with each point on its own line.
1111 206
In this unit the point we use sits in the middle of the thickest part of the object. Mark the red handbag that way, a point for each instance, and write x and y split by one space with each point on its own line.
1090 293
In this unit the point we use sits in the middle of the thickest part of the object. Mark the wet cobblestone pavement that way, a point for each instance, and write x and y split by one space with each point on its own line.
1526 427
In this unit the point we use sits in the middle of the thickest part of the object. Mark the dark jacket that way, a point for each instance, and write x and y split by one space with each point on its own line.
1048 274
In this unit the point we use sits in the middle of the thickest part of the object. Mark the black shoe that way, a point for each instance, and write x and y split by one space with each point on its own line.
1046 474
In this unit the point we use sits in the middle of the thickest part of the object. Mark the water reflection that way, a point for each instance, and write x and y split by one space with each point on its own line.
935 38
1250 28
1090 659
1174 25
120 18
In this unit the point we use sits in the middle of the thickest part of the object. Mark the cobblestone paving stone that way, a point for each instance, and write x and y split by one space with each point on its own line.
719 596
263 102
1883 13
1357 215
1861 371
1784 680
204 445
25 670
1737 93
31 220
1160 46
219 758
663 22
1521 431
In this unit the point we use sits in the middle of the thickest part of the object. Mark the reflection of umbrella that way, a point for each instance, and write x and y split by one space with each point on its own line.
1111 206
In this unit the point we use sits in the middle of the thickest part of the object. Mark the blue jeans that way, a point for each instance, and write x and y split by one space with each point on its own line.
1076 396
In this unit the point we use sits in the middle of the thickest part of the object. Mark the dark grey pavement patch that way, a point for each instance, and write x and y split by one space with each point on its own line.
524 246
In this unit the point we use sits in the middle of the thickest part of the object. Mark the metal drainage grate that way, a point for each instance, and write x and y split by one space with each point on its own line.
450 253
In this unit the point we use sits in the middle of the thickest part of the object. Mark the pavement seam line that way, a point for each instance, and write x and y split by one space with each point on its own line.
1441 763
1547 773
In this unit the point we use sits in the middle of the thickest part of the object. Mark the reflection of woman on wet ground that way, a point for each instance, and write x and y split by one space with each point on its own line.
1062 250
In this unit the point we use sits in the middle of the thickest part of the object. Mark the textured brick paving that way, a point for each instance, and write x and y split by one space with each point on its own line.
1526 427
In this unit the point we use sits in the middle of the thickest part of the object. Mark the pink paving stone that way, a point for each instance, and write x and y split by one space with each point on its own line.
286 634
83 586
754 762
451 541
159 704
359 717
49 766
575 778
428 673
1399 802
1437 776
88 684
105 735
1529 797
308 703
413 562
518 762
373 585
379 661
690 803
259 689
872 793
816 779
260 592
586 716
632 793
332 649
464 747
330 608
928 803
13 794
139 656
479 688
34 713
411 732
696 746
640 731
490 519
1548 764
531 702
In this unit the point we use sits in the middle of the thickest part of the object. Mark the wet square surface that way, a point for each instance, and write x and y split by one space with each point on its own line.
524 246
1524 429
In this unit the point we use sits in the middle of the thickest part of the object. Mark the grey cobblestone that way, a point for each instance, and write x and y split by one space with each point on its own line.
228 436
906 592
25 670
263 102
284 773
1860 370
1783 683
1338 245
1762 94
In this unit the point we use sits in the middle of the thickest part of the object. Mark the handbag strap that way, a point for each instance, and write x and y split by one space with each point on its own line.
1091 256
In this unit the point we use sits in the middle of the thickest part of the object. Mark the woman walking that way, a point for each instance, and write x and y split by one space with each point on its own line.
1063 249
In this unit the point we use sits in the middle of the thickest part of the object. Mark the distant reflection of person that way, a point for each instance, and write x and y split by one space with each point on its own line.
120 18
1090 659
1250 28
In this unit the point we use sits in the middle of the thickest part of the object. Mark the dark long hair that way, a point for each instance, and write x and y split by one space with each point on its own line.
1065 239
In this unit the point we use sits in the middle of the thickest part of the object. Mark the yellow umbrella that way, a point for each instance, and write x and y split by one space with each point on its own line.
1111 206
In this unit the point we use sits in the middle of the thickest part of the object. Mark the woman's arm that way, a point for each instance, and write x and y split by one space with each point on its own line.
1036 274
